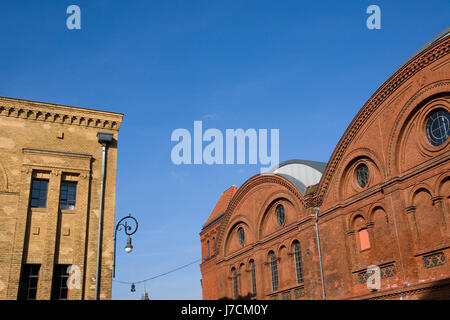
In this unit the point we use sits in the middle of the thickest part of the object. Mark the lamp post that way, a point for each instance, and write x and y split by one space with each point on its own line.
104 139
129 230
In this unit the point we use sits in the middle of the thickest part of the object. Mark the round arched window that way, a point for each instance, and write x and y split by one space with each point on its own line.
280 215
362 175
438 126
241 236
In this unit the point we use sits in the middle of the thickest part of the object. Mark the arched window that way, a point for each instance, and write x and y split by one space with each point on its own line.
362 175
280 215
252 270
207 242
214 244
274 270
235 284
241 236
298 262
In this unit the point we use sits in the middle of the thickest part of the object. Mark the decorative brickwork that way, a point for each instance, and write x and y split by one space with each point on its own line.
386 272
434 260
393 214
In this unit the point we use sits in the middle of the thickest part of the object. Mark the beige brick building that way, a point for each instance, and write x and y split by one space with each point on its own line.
50 195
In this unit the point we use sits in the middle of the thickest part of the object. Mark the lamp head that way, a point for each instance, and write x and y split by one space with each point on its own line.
104 138
129 246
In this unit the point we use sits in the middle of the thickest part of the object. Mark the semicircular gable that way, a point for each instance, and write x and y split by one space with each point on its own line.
346 181
421 61
408 132
241 195
267 221
232 243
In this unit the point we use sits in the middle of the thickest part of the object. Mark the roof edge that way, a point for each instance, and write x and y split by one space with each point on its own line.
61 106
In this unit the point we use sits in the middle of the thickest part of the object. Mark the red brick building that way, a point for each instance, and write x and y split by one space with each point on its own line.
310 231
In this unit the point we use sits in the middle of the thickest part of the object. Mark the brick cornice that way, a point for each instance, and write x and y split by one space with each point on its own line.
428 56
39 111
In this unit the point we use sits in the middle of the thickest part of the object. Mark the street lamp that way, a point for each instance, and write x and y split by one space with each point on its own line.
129 230
129 246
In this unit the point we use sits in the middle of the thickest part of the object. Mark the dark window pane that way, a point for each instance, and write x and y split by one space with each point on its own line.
362 175
235 285
252 264
274 271
280 215
241 236
39 190
438 126
67 198
298 262
59 284
29 280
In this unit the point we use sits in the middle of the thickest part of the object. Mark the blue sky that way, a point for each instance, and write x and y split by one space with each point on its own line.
303 67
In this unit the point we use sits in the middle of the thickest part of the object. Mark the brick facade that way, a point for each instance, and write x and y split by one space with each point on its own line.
399 221
56 143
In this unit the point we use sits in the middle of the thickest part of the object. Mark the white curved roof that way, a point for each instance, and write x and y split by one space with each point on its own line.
301 173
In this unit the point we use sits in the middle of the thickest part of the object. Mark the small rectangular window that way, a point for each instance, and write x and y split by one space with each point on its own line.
59 284
29 282
39 188
67 196
364 242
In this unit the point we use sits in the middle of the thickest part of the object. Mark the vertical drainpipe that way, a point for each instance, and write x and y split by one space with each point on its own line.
104 139
316 211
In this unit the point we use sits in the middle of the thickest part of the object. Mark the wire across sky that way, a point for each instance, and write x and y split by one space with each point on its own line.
159 275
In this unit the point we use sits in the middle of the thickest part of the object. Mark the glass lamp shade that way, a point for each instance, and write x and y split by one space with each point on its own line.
129 246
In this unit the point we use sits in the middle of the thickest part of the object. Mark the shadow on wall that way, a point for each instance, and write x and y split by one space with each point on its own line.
247 297
441 291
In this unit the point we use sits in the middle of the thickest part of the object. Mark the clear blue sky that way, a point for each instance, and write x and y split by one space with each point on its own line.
303 67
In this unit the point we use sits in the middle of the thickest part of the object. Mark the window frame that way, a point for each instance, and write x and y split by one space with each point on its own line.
241 236
39 198
298 262
235 284
253 275
65 203
274 270
367 237
59 282
358 175
26 276
429 120
280 215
